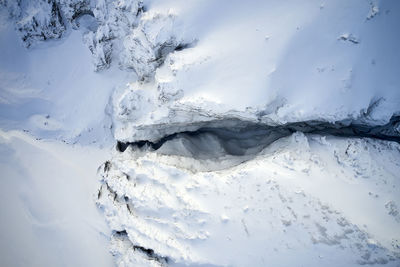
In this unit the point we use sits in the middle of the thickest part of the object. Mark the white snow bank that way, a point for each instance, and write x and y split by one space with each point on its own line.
309 200
271 62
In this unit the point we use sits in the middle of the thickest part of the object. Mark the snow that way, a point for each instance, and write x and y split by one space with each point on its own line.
208 87
48 215
52 91
306 199
302 72
47 210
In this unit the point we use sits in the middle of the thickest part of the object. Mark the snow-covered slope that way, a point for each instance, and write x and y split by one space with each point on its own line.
309 200
47 211
301 199
222 113
280 62
269 62
52 92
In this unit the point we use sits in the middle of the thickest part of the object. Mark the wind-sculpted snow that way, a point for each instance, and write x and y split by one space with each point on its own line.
117 31
272 209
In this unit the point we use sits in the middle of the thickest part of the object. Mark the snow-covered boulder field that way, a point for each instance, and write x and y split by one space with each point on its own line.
232 133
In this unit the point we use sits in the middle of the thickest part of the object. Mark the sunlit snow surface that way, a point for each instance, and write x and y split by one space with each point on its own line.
47 213
305 199
170 66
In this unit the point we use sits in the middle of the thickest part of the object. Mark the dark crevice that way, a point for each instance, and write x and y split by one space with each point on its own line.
141 9
80 13
181 47
120 233
163 50
122 146
236 140
151 254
